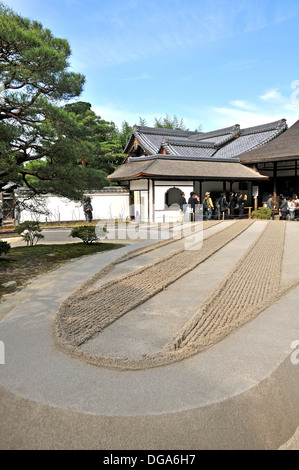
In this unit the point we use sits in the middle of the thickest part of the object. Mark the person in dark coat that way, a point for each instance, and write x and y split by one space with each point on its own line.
232 202
183 205
270 202
190 198
217 208
182 202
270 205
283 209
280 199
223 206
189 204
241 204
194 203
88 210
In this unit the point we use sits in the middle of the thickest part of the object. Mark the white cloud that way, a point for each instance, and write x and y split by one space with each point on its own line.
244 105
273 96
225 116
118 115
219 117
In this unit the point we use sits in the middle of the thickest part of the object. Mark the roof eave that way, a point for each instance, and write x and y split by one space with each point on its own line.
269 159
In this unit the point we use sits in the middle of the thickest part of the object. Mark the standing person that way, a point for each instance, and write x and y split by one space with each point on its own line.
16 213
1 216
217 208
190 198
198 209
270 202
283 209
183 205
296 202
194 204
291 208
208 206
85 211
270 205
88 210
182 201
280 200
232 201
241 204
189 209
223 206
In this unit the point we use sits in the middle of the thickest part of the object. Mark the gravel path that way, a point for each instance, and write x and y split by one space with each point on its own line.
248 289
83 316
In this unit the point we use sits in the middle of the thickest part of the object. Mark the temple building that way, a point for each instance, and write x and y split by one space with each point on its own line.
279 161
161 163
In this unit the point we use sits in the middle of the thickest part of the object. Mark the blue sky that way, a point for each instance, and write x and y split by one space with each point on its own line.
213 63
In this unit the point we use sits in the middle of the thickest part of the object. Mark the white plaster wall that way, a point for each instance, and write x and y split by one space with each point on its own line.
139 185
105 206
161 213
161 190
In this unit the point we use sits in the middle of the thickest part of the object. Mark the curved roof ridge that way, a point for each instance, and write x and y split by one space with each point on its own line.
162 131
281 124
228 138
187 143
216 133
144 141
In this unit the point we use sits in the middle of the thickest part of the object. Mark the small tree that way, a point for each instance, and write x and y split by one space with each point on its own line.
87 233
30 231
4 247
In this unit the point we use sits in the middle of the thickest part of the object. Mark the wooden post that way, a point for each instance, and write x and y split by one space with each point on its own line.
200 192
275 183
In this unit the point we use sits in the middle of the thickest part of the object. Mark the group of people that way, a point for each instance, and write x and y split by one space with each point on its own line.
222 207
285 206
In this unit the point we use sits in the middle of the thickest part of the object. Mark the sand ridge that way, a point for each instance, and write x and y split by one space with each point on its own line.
82 316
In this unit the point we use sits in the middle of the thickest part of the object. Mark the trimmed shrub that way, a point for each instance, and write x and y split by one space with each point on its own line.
262 213
4 247
87 233
30 231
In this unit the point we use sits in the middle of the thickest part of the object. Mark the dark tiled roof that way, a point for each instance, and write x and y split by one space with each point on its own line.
222 143
188 148
245 143
150 137
114 189
284 146
183 167
272 126
218 133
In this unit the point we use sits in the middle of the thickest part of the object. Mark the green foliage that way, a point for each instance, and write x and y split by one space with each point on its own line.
4 247
262 213
30 231
125 133
87 233
39 142
101 149
171 123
